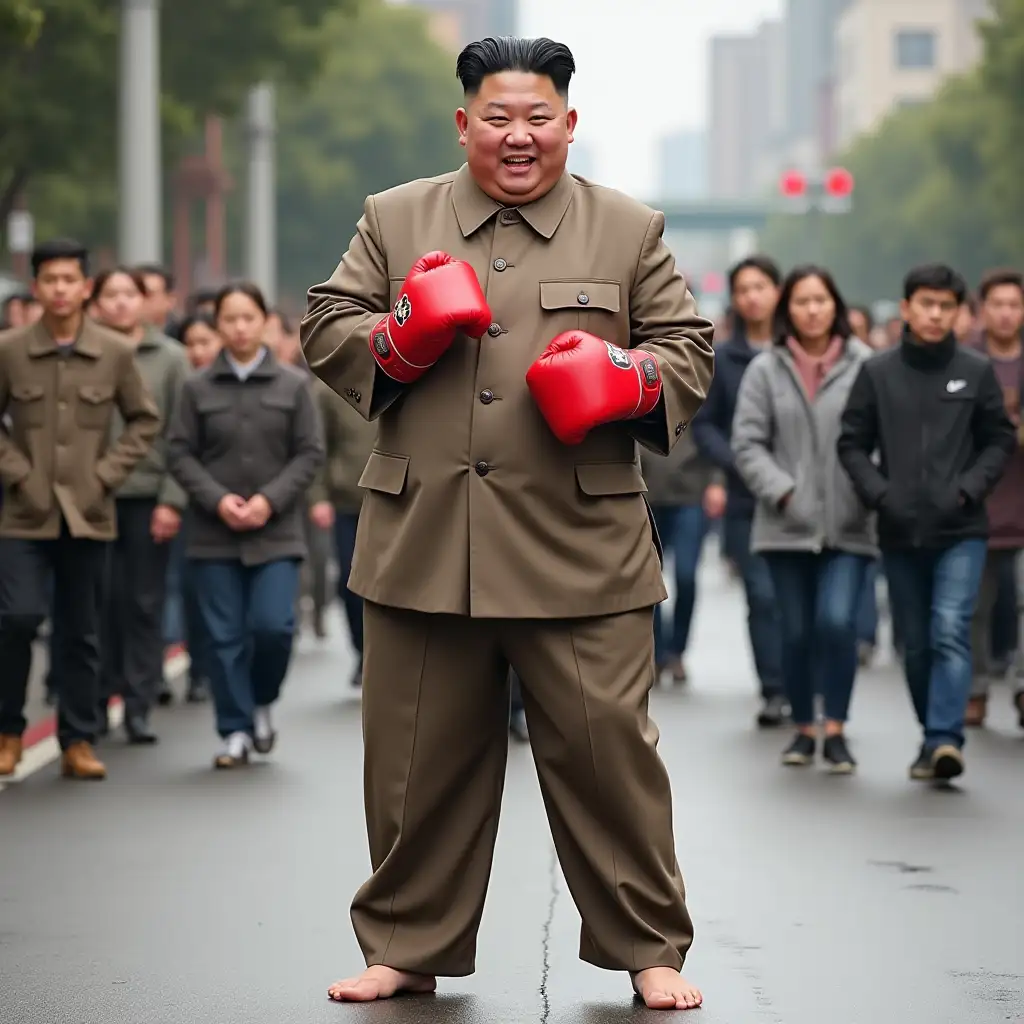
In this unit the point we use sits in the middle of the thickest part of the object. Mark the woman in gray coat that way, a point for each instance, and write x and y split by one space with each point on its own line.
810 526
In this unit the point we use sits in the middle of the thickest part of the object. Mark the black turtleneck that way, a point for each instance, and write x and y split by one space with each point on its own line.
927 355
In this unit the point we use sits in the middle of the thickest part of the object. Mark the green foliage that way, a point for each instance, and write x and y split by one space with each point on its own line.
59 62
381 112
936 182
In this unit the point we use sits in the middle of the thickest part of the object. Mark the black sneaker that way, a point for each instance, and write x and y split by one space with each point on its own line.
921 770
836 754
947 762
774 712
801 751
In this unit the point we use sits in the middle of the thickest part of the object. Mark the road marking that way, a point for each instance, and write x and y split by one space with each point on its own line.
46 750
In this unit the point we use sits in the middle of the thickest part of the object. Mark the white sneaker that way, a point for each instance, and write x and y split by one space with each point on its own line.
234 751
263 731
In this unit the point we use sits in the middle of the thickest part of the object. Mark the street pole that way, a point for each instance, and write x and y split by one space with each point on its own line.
261 235
140 164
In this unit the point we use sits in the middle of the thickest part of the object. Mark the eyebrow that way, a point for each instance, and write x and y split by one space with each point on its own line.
495 105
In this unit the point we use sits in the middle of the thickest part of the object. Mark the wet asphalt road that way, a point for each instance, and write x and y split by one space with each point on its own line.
175 895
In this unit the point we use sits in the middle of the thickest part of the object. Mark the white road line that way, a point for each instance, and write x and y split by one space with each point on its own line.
47 751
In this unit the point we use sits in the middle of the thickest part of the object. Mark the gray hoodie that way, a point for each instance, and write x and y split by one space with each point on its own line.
786 444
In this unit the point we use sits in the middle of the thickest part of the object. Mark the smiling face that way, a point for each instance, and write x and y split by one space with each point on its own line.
516 131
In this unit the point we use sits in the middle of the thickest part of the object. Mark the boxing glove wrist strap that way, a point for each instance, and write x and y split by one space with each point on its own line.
389 359
649 378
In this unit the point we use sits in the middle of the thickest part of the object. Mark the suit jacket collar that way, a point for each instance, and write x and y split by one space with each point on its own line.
474 208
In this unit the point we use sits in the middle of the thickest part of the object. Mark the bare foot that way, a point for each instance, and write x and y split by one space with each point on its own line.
662 988
380 983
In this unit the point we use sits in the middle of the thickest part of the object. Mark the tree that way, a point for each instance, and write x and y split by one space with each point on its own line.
380 112
59 67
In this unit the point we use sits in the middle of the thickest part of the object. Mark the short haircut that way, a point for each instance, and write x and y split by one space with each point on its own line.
130 272
247 288
200 297
869 318
181 330
765 264
157 270
492 55
936 277
59 249
1000 276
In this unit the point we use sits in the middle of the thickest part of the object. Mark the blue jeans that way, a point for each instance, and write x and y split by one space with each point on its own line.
249 615
682 529
344 545
936 591
763 621
819 596
174 627
867 606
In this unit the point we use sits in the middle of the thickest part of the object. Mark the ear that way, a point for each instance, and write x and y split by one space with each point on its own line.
570 122
904 310
89 282
462 123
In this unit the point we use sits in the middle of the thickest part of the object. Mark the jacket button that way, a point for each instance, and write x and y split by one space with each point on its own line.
494 330
679 429
583 298
509 216
357 396
499 265
487 396
482 469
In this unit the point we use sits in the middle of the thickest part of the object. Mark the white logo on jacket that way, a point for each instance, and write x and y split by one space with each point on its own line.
956 385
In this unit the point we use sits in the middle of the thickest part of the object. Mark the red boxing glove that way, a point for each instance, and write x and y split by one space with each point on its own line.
440 296
580 382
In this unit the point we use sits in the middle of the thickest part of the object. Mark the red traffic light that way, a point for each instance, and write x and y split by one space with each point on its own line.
793 184
839 183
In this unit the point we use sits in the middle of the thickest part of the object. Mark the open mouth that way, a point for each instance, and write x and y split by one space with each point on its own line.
518 163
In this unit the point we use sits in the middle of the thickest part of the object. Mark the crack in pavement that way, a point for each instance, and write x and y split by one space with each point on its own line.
545 941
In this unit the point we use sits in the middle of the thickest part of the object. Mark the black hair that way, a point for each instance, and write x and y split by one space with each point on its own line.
866 313
765 264
59 249
286 324
1000 276
105 275
936 277
156 270
246 288
783 322
182 328
492 55
200 297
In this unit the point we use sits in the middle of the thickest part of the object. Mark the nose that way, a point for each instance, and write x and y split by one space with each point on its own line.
519 135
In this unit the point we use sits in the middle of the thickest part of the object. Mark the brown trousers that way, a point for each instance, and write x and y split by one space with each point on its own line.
435 727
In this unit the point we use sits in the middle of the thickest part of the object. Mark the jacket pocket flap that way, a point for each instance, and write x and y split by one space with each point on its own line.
95 394
27 392
604 478
385 473
580 295
286 402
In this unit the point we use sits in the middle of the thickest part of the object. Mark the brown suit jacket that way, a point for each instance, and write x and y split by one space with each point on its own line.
473 507
58 461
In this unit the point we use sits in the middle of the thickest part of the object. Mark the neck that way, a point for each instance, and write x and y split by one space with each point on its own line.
815 346
759 332
246 358
63 329
1007 347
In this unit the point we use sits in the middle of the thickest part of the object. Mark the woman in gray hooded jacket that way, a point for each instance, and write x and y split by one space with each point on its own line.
809 524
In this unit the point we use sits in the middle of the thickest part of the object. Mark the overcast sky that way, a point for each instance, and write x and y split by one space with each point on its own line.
642 71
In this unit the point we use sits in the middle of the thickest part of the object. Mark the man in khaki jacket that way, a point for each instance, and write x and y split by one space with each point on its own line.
60 381
486 541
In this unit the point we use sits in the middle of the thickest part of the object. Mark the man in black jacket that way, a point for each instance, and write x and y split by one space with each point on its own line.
934 412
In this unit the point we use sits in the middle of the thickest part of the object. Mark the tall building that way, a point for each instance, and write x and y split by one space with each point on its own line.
898 52
746 119
682 166
454 23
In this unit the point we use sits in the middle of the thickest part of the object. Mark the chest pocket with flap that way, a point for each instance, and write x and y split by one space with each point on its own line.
585 305
93 408
28 410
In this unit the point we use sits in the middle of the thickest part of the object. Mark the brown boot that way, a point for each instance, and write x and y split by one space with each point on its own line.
977 706
10 754
79 762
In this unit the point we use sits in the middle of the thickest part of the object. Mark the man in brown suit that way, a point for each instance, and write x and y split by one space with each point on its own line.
60 381
486 541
